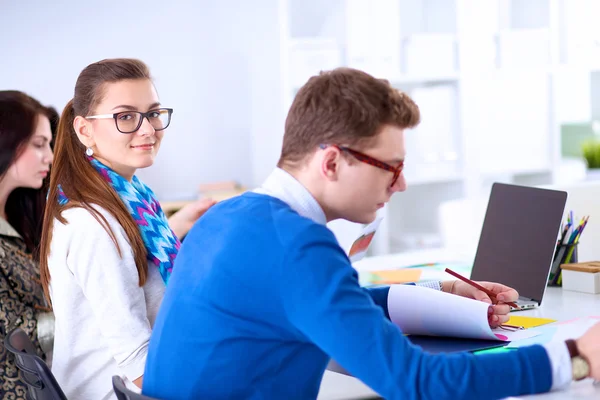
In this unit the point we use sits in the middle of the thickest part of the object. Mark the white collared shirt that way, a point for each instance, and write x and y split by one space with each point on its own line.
283 186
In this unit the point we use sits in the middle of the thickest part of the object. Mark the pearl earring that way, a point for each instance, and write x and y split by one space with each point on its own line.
89 152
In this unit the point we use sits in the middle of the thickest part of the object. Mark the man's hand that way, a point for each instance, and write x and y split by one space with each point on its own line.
183 220
498 312
589 348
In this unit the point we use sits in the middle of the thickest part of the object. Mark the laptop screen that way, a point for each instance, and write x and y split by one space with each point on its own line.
518 238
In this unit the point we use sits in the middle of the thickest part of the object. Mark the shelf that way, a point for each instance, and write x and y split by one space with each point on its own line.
412 80
423 79
433 180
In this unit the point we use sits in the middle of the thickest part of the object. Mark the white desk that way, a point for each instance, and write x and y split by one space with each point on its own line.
556 304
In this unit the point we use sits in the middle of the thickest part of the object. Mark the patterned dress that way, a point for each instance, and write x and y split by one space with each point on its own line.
21 302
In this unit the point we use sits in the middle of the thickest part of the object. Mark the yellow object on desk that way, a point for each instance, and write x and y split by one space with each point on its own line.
390 277
528 322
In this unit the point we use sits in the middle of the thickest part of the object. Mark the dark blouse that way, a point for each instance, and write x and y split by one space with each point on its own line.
21 303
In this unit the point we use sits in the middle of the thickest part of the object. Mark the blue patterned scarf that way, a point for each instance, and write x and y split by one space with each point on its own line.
161 242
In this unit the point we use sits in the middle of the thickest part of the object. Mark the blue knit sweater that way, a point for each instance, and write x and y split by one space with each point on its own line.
261 298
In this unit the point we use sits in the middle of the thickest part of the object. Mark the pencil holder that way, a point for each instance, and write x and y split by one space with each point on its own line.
564 254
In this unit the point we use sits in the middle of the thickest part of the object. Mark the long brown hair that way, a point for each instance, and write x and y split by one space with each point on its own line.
80 182
19 115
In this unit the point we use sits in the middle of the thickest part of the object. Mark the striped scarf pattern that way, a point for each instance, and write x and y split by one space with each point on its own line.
162 245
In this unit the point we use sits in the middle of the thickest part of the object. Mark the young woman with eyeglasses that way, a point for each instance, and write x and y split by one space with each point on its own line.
107 248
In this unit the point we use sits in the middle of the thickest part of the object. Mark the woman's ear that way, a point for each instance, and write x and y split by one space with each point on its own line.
84 130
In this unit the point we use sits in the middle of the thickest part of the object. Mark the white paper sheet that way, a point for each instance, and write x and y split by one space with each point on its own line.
558 331
422 311
516 336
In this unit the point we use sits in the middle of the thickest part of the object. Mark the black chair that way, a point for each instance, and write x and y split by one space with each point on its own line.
35 373
125 394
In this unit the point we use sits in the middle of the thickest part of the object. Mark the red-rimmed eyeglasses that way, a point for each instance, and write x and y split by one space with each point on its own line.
370 160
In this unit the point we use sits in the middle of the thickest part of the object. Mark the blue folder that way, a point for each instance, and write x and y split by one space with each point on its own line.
437 344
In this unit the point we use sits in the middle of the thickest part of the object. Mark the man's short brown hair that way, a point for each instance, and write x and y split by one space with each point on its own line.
342 106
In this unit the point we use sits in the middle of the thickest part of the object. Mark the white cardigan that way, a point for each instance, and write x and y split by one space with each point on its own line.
103 318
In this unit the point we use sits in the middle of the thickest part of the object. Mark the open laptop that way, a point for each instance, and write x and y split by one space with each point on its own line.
518 239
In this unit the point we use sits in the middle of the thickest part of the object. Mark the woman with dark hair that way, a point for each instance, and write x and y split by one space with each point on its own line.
25 158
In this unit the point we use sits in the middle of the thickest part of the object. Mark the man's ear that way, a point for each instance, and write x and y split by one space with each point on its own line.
84 130
330 163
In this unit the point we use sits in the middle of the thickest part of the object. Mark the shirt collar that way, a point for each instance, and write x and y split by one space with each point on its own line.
283 186
7 230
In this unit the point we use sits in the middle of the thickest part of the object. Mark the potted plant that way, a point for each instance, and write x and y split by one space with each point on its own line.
591 153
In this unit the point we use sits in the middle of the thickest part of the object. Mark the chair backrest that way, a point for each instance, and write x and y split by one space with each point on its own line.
125 394
40 382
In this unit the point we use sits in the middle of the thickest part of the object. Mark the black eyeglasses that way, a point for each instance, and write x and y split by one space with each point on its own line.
131 121
371 161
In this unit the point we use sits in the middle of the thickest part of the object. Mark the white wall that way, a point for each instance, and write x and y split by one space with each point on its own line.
201 53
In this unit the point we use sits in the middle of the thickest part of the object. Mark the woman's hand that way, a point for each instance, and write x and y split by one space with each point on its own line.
183 220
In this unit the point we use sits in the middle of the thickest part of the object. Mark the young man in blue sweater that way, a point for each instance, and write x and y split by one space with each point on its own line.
262 296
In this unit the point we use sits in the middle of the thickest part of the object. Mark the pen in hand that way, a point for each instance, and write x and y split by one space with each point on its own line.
478 286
